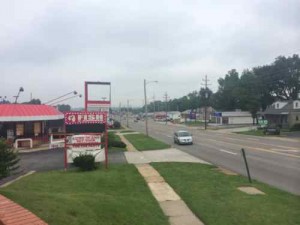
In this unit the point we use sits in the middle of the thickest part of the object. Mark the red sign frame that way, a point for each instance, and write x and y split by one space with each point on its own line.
85 117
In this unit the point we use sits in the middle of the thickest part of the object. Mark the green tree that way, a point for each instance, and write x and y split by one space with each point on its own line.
280 80
8 159
64 108
34 101
226 97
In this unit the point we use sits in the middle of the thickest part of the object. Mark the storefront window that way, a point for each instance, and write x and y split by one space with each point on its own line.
20 129
37 128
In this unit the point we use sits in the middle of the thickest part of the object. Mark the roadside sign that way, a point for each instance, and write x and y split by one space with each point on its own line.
85 145
84 132
263 122
218 114
85 122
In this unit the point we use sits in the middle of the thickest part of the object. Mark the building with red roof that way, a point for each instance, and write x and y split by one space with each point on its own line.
20 121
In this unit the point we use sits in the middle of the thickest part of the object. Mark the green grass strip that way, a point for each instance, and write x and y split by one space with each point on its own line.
115 196
214 198
143 142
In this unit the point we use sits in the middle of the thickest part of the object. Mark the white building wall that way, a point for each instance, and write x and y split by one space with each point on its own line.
240 120
279 104
296 104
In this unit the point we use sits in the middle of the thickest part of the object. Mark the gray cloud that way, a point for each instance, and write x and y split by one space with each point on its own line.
52 47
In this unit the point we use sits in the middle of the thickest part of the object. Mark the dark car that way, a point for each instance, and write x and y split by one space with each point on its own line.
272 129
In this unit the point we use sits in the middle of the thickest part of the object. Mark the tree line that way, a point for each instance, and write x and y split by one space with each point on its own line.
251 90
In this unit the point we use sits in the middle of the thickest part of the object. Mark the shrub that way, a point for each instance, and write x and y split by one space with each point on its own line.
117 125
85 162
8 159
118 144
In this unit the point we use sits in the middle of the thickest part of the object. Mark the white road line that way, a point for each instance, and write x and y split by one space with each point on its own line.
284 150
168 136
222 150
254 139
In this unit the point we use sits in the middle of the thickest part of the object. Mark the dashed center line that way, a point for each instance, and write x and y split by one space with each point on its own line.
222 150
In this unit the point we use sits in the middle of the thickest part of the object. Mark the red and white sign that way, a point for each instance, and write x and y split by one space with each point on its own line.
84 139
85 117
85 144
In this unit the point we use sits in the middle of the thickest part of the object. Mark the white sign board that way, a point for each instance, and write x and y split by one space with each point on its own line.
85 145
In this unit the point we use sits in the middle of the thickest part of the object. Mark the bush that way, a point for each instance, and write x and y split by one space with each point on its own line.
118 144
8 159
85 162
295 127
117 125
113 141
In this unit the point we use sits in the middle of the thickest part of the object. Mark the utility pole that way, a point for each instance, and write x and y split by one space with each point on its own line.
120 112
166 100
206 97
146 109
127 112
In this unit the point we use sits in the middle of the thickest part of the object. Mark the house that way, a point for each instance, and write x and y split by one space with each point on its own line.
283 113
233 117
174 115
209 112
29 125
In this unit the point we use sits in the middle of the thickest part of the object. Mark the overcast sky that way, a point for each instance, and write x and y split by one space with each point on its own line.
50 47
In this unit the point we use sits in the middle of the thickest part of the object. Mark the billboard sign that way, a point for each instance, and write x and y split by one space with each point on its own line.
85 145
85 122
85 118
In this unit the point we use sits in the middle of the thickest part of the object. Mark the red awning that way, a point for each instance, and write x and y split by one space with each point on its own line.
23 112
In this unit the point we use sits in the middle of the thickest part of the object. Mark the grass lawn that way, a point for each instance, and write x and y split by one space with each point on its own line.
113 197
114 137
142 142
213 197
194 123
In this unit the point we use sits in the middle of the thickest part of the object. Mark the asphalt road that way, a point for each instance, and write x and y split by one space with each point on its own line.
272 160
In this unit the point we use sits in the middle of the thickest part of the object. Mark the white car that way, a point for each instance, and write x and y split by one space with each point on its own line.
183 137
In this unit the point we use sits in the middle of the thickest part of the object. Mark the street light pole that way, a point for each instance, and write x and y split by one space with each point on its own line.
146 109
127 112
21 89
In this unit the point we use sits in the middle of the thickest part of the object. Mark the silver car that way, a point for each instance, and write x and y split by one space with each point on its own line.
183 137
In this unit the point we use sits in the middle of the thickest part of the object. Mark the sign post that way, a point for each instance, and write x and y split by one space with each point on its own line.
84 132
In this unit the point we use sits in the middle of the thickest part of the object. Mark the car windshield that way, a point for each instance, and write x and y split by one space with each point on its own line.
184 134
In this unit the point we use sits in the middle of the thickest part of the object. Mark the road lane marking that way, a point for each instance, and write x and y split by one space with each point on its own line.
168 135
229 152
255 148
285 150
254 139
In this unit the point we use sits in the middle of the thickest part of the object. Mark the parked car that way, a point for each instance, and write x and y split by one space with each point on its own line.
272 129
183 137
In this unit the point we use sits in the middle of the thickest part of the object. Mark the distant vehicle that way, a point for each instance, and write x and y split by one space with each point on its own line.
183 137
272 129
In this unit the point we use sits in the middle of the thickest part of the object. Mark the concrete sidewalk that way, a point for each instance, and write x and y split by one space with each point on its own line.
170 202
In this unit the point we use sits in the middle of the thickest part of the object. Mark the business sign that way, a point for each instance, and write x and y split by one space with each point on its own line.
85 118
192 115
263 122
84 145
85 122
218 114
